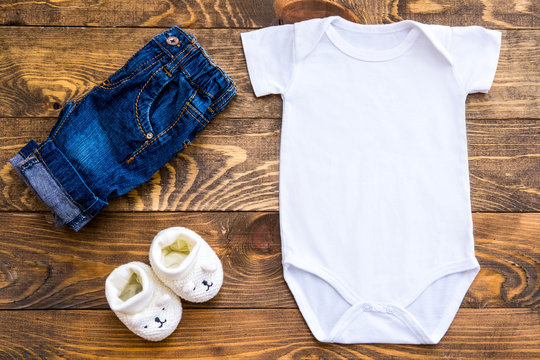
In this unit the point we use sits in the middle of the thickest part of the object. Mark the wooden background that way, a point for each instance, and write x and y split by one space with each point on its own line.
225 187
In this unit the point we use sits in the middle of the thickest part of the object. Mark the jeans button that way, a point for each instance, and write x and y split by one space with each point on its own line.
149 136
172 40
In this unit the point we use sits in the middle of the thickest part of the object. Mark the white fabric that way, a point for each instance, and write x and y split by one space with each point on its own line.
198 277
154 312
375 209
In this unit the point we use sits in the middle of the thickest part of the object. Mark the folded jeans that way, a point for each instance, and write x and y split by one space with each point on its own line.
120 133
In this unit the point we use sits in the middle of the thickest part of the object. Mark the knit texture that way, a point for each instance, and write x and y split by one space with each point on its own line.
159 318
201 280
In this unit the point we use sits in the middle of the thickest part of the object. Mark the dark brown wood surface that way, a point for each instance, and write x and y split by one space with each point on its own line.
61 64
247 14
225 187
233 165
58 269
254 334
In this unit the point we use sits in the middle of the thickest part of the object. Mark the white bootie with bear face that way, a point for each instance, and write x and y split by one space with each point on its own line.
142 302
186 264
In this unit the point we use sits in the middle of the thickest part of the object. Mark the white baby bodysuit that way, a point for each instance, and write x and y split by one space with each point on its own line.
375 211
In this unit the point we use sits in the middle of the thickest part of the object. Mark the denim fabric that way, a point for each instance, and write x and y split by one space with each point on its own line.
126 128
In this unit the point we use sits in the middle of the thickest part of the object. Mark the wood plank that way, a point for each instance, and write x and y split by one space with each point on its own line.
234 165
464 12
503 175
59 64
254 334
152 13
242 13
42 267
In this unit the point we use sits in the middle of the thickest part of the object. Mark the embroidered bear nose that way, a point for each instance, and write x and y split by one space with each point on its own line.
158 320
205 283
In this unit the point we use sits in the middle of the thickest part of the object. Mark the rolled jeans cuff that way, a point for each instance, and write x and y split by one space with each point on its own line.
53 178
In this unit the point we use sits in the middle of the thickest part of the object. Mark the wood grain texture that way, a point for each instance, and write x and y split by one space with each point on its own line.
500 14
42 267
234 165
244 13
59 64
150 13
292 11
52 303
254 334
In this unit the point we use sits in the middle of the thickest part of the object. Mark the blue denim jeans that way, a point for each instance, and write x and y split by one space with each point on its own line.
126 128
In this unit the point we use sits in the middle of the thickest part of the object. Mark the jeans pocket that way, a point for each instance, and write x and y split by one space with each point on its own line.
163 107
164 99
136 65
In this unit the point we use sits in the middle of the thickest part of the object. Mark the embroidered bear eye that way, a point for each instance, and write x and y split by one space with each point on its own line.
145 326
163 309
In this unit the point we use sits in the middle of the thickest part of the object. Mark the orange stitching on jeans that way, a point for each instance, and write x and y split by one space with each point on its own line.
219 102
227 98
179 61
163 47
174 57
139 94
187 74
194 117
44 143
210 61
165 131
199 113
65 118
141 65
147 81
147 61
81 208
180 53
145 84
188 78
203 52
216 102
168 52
223 95
117 84
59 183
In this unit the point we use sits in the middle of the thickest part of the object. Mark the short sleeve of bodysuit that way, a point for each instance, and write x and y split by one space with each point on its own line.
270 58
475 51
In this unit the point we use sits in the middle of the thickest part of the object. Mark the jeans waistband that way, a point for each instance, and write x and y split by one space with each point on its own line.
189 57
180 50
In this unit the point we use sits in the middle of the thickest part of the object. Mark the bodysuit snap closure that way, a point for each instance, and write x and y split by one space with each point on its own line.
366 307
172 40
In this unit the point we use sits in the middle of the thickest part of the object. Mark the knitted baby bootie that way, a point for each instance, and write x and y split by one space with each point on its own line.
186 264
142 302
